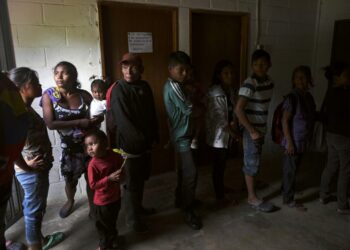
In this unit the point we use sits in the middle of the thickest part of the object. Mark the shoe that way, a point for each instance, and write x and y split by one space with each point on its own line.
119 242
148 211
298 206
192 220
328 199
194 144
343 211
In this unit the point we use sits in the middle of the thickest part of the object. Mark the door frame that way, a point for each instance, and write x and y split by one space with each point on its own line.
245 17
100 4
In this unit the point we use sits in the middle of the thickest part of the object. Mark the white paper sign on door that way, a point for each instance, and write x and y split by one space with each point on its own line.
140 42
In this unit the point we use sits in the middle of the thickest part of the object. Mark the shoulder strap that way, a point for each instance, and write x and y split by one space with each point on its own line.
108 95
54 95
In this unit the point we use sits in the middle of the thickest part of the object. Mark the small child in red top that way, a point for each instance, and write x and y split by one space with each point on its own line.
104 172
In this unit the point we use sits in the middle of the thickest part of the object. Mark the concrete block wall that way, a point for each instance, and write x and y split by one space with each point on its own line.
48 31
329 12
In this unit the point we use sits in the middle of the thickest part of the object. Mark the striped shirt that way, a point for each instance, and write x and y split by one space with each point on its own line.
259 96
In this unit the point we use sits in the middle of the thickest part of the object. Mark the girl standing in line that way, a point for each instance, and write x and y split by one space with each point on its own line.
33 165
299 111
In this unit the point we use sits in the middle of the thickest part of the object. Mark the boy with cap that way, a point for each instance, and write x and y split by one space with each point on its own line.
133 109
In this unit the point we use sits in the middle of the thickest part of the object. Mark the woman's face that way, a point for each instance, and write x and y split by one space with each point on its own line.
63 77
32 88
300 81
226 76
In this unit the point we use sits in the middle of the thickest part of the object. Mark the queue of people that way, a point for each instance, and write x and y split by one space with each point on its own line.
230 115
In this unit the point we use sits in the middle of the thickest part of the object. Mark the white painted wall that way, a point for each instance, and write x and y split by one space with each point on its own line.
48 31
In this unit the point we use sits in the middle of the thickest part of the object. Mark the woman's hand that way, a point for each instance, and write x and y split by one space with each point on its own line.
36 164
96 120
84 123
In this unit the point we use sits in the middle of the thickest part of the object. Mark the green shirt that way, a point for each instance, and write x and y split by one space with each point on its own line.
179 110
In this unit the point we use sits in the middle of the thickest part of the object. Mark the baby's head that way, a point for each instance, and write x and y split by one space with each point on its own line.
98 89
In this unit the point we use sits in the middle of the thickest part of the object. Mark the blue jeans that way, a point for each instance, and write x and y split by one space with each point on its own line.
36 187
252 154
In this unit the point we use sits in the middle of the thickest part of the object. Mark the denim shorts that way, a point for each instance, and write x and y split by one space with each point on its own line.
252 154
36 187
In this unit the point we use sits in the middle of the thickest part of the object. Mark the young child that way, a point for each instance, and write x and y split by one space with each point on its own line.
104 172
297 122
252 110
179 110
98 104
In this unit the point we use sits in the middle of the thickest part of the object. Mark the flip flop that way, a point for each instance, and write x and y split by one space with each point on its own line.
53 240
12 245
263 206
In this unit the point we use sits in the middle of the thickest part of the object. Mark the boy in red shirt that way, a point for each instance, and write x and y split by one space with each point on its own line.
104 172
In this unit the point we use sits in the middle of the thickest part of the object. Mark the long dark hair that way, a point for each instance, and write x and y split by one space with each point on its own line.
71 69
20 76
216 80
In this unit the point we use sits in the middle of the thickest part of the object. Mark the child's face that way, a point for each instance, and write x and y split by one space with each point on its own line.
98 93
226 76
260 67
94 147
62 77
32 88
131 72
300 81
180 72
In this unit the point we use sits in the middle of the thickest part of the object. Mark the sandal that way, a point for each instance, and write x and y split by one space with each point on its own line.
12 245
53 239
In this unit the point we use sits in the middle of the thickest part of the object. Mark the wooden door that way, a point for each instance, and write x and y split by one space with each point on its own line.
341 42
116 20
216 36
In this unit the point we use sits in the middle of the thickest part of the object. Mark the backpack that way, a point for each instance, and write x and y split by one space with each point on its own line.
277 129
111 124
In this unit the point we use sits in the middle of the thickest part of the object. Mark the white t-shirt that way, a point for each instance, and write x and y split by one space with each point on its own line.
97 108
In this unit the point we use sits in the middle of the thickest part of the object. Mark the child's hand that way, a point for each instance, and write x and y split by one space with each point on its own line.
115 176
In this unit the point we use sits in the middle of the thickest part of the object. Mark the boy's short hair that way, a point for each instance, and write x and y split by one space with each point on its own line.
99 83
179 57
260 53
99 134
